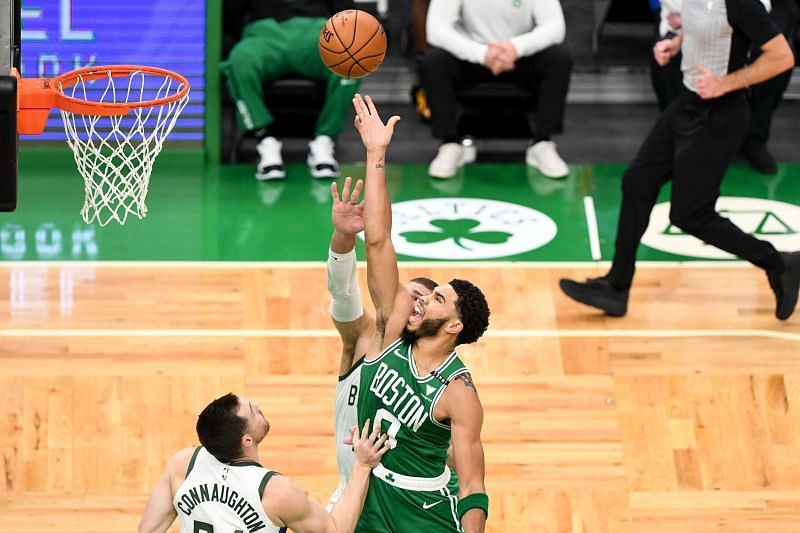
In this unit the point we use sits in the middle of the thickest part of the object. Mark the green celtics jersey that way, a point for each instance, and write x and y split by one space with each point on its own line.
402 401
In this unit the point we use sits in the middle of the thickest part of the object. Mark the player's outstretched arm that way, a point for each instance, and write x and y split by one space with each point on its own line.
462 405
355 325
159 512
288 506
382 273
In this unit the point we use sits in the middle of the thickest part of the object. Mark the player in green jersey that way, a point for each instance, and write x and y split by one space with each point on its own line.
356 325
412 382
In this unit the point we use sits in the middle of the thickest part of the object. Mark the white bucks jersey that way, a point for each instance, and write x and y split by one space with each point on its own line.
217 497
345 417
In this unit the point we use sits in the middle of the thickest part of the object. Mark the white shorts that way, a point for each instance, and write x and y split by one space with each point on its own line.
345 417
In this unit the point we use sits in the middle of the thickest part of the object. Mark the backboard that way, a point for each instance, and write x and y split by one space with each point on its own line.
10 32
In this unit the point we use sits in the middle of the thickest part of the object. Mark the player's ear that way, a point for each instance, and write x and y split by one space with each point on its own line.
454 326
247 441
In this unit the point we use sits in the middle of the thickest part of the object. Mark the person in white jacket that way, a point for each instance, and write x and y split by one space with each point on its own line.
511 41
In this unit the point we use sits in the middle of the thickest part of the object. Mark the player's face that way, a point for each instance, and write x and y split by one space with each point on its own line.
257 425
435 308
416 291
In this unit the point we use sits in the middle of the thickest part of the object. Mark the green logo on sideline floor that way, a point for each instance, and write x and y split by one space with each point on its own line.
468 228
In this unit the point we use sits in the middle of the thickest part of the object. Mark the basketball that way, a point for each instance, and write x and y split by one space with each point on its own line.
352 43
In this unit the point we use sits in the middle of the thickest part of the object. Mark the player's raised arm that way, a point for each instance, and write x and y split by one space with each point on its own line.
382 273
356 326
287 505
462 405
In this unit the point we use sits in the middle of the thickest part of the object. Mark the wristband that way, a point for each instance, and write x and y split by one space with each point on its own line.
476 500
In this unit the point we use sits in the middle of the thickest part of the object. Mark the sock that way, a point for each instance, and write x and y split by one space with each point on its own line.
346 303
262 133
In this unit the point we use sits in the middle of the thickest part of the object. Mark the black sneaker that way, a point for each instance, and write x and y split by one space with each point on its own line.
786 285
754 151
598 293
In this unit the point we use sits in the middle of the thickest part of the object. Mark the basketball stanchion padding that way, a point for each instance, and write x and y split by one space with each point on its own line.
116 118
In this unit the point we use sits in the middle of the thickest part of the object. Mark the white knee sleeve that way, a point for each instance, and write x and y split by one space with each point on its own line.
346 303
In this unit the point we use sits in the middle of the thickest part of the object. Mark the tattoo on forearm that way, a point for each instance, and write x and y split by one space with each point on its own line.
467 379
379 165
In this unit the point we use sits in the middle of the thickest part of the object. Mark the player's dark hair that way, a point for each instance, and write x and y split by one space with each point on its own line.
472 309
428 283
220 428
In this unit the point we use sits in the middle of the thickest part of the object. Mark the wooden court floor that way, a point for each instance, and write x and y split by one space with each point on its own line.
683 416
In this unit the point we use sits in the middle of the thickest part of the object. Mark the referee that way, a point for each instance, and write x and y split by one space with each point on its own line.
693 142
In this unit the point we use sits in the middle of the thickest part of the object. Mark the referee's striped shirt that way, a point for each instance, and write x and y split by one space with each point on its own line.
717 35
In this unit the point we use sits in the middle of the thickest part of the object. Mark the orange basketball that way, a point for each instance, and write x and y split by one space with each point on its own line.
352 43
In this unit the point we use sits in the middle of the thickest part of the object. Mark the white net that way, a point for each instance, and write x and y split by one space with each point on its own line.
115 154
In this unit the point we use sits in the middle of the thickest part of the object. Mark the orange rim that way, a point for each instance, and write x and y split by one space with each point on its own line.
85 107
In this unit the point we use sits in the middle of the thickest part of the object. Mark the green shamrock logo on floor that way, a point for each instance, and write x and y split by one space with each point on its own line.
459 230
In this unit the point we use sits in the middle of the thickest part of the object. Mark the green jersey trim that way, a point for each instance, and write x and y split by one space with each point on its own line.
387 350
413 366
263 486
462 370
245 463
194 458
352 369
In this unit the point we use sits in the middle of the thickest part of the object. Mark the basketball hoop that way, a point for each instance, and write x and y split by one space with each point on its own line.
116 119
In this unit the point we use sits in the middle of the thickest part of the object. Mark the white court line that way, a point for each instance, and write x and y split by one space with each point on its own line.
505 333
310 265
591 224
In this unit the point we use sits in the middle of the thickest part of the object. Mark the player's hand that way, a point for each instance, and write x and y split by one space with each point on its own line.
368 447
664 50
708 84
374 133
347 212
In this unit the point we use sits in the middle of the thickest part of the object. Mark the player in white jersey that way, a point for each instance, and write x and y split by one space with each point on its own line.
220 486
356 326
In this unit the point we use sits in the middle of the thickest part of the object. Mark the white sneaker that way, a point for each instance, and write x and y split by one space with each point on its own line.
270 162
320 160
543 155
447 162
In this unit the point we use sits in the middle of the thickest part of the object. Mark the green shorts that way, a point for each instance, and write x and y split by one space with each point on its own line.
389 509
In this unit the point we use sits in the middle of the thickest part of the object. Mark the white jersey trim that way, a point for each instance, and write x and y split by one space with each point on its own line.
413 365
439 394
401 481
386 350
453 500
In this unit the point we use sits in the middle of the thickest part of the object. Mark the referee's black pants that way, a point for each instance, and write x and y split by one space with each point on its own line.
692 143
546 72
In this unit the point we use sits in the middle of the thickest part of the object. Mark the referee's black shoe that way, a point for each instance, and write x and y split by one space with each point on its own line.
598 293
785 285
